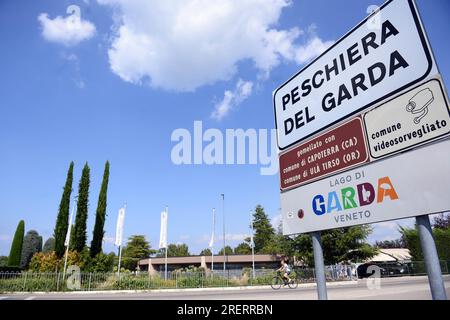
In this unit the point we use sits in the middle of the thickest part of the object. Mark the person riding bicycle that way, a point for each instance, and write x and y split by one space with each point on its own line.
285 270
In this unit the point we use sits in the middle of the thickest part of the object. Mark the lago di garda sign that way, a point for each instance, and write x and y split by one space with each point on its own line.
382 56
397 187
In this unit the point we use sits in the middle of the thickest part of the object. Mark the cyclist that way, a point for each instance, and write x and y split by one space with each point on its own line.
285 271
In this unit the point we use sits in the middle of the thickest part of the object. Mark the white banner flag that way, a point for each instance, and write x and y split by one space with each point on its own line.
211 242
66 242
119 227
163 232
69 228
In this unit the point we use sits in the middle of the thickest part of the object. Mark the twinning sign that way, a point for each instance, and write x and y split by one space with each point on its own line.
384 62
383 55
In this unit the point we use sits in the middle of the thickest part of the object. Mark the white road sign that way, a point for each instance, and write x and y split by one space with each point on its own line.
410 184
418 116
383 55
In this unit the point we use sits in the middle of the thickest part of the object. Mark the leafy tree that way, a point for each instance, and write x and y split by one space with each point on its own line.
342 244
243 248
79 231
102 262
206 252
264 237
16 247
442 221
228 251
175 250
32 243
137 248
388 244
44 262
412 240
96 244
49 245
63 215
3 261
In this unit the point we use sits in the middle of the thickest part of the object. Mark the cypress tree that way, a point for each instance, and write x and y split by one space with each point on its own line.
78 240
32 243
96 244
16 247
63 215
49 245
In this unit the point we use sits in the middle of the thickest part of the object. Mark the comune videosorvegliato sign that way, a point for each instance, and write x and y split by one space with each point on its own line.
383 55
418 116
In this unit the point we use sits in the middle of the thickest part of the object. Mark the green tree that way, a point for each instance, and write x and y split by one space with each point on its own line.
45 262
264 233
78 241
63 214
228 251
243 248
412 239
206 252
137 248
442 221
96 244
32 243
49 245
342 244
3 261
102 262
387 244
16 248
175 250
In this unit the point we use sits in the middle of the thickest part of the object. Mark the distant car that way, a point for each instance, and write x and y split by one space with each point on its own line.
394 269
364 273
386 269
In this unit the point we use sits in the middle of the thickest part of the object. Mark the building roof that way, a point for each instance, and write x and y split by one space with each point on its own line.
238 258
394 254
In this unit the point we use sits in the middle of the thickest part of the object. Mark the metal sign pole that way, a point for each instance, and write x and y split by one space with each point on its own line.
431 258
319 266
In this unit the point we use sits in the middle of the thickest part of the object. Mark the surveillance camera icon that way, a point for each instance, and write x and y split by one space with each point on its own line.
418 104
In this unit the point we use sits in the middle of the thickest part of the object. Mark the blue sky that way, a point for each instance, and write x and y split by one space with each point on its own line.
118 87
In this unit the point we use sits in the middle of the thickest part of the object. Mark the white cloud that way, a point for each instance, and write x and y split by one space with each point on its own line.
182 45
68 31
109 239
313 48
219 238
5 237
73 59
276 221
232 99
388 230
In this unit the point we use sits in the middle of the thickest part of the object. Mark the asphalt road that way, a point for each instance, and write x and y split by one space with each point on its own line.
407 288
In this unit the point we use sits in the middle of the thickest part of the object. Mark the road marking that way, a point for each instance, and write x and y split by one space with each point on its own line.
3 298
30 298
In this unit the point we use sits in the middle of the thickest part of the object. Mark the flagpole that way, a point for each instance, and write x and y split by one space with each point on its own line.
212 240
253 245
120 258
223 229
167 213
68 234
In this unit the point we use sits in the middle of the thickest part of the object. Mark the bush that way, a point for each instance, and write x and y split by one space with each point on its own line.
44 262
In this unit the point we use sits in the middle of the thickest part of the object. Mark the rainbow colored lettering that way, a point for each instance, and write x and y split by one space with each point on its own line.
350 197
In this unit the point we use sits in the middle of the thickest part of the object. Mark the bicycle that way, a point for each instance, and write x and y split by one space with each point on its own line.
278 280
